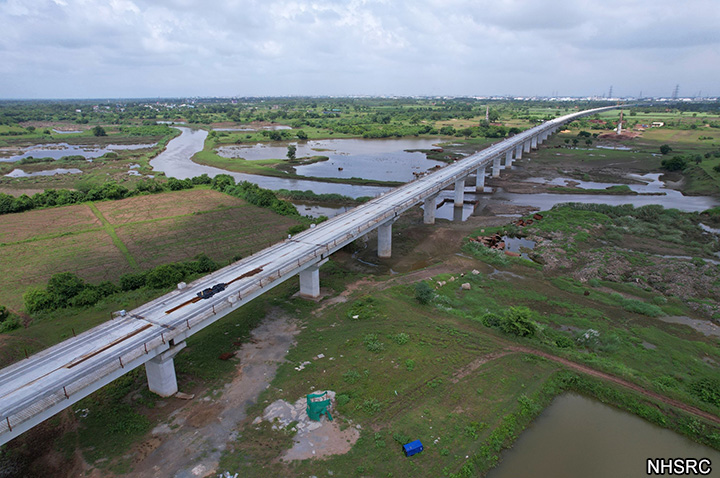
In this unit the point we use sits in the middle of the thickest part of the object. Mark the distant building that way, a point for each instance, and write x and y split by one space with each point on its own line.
657 124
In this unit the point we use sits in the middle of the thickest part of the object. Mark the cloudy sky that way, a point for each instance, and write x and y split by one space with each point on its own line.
150 48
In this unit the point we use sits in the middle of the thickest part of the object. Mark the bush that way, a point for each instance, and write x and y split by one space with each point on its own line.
297 228
423 293
87 297
164 276
665 149
517 321
491 320
4 313
676 163
37 300
132 281
11 323
64 286
707 390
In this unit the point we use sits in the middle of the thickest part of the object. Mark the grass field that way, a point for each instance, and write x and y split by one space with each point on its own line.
104 240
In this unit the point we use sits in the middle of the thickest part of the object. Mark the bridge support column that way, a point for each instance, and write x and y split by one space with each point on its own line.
385 239
160 372
534 142
496 167
429 208
310 282
480 179
459 192
508 158
518 151
526 146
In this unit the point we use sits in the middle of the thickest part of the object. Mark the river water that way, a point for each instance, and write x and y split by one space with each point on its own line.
381 159
175 162
579 437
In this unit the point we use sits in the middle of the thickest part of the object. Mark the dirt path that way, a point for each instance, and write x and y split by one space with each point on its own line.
623 383
190 445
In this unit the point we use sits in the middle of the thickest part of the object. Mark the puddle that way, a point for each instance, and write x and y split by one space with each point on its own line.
519 245
313 210
19 173
705 327
58 150
709 229
617 147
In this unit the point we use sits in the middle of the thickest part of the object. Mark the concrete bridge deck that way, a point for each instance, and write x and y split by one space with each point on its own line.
36 388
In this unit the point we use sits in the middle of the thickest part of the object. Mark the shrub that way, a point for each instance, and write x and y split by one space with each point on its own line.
164 276
64 286
87 297
132 281
297 228
410 365
38 299
665 149
517 321
4 313
423 293
491 320
401 338
11 323
707 390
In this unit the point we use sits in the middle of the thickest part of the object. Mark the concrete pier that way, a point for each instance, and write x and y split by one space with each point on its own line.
385 240
496 167
518 151
526 146
160 372
310 282
534 142
480 179
508 158
429 208
459 192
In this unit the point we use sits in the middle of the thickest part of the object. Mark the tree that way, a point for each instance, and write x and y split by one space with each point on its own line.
302 135
99 131
665 149
677 163
291 152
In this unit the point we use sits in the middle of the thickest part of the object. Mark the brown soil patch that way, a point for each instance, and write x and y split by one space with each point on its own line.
46 222
201 415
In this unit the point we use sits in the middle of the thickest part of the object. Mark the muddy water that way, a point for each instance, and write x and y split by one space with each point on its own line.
58 150
579 437
381 159
19 173
175 162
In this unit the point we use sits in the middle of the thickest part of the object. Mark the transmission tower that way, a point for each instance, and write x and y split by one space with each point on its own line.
675 92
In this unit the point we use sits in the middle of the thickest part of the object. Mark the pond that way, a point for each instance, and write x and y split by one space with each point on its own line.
579 437
381 159
58 150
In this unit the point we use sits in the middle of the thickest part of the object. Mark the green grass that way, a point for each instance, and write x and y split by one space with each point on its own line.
110 230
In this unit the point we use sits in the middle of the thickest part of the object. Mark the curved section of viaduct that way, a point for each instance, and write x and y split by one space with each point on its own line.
44 384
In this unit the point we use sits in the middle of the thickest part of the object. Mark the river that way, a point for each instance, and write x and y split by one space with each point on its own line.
175 162
579 437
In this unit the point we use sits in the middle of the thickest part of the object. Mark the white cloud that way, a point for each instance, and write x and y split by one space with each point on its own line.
60 48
